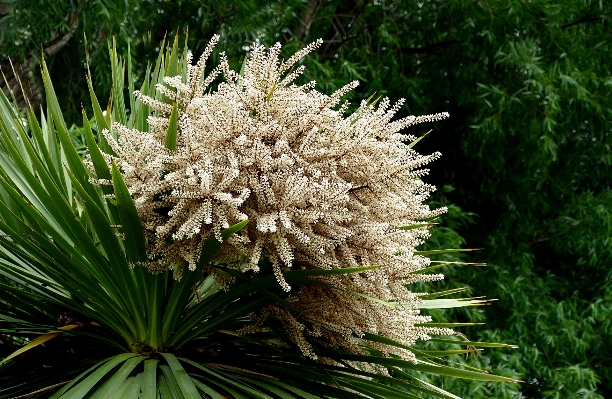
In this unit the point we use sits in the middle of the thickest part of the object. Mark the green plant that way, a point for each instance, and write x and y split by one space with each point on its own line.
92 325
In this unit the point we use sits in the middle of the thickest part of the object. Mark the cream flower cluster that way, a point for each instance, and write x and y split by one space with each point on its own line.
321 190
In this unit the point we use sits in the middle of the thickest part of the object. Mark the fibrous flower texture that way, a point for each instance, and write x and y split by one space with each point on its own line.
322 189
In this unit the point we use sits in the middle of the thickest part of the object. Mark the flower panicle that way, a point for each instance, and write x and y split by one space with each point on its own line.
322 190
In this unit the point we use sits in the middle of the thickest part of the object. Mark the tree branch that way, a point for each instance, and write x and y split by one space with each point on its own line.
54 46
343 23
585 19
306 19
16 79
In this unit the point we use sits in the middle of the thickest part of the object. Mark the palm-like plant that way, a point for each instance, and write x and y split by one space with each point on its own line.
76 320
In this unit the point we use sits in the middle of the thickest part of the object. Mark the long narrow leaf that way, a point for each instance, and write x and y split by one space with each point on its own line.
164 389
172 132
112 385
452 303
77 379
84 387
421 367
130 221
183 380
149 381
101 123
208 390
181 290
173 385
473 343
127 280
445 251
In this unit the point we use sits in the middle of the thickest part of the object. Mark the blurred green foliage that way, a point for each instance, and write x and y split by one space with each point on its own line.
526 166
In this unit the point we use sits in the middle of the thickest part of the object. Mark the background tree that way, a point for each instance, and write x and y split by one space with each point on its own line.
526 153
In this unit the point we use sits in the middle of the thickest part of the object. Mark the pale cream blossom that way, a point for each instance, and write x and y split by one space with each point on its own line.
322 189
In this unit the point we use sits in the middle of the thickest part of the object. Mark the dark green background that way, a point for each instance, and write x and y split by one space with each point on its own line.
526 166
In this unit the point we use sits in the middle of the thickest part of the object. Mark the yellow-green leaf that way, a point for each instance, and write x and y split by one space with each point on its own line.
39 341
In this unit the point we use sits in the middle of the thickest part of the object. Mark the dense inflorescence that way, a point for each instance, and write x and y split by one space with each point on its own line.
321 190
